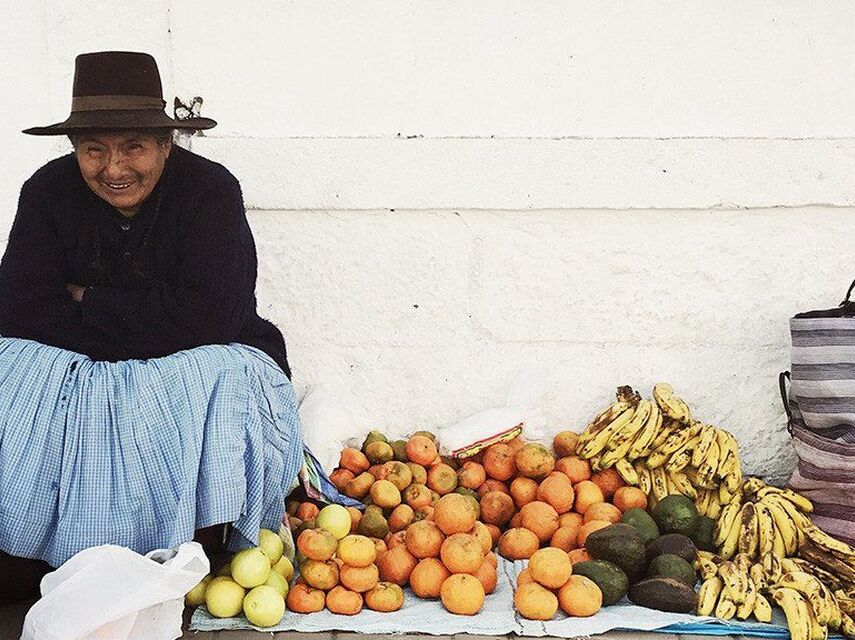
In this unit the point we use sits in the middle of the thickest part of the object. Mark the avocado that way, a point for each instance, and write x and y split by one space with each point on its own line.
676 514
642 521
621 544
373 524
609 577
664 594
675 543
668 565
704 533
373 436
399 447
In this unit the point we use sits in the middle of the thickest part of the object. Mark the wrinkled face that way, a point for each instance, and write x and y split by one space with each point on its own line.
122 167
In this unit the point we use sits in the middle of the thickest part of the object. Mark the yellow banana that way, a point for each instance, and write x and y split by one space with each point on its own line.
671 404
705 440
660 483
765 528
681 458
733 480
779 546
796 609
714 507
641 446
708 595
747 608
728 453
627 472
599 441
748 536
799 500
681 482
758 575
817 631
626 433
708 467
828 543
800 519
602 420
811 588
668 427
735 581
725 495
725 522
752 485
772 565
847 626
762 609
702 501
677 440
834 618
706 565
726 607
785 526
645 479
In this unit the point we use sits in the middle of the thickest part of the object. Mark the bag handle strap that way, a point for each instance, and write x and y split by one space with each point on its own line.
847 300
783 379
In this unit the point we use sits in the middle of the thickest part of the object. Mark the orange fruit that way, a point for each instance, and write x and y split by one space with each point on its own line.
540 518
396 539
499 462
495 533
524 577
462 594
579 555
359 579
357 551
574 468
580 597
427 578
396 565
482 534
471 475
319 574
609 481
557 491
523 490
534 461
516 521
317 544
379 545
587 493
304 599
461 553
401 517
354 460
358 487
442 479
487 576
417 496
385 494
565 538
424 539
375 470
603 511
496 508
564 443
418 472
424 513
379 452
571 519
516 444
342 601
385 597
355 517
589 527
535 602
453 513
492 559
491 484
518 544
398 473
421 450
307 511
340 477
550 567
627 498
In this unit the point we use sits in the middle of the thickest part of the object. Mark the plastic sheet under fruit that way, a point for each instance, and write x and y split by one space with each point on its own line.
498 617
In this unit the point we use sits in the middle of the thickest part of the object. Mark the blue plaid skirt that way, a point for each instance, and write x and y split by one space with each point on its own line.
141 453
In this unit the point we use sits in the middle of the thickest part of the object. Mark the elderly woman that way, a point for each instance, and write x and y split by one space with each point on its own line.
128 260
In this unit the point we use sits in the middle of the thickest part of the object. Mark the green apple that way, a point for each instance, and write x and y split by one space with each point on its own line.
335 519
250 567
278 582
224 598
271 544
264 606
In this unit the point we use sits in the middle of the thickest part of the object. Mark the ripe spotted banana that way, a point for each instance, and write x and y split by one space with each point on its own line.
758 575
765 528
799 500
747 608
800 519
752 485
668 427
772 565
707 565
725 522
811 588
602 420
726 607
596 444
627 433
627 472
817 631
671 404
728 453
709 594
762 609
641 446
645 478
796 609
705 440
725 495
660 483
702 501
735 581
681 482
714 507
708 467
748 535
828 543
785 526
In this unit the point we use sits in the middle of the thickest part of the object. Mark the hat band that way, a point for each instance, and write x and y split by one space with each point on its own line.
116 103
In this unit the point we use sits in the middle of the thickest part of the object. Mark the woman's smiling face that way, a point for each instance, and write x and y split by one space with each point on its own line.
121 167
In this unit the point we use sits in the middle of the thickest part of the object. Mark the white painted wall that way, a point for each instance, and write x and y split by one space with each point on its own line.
445 192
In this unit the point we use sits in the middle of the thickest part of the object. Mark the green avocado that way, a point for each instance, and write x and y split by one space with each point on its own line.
609 577
668 565
621 544
642 521
664 594
704 533
399 447
676 514
675 543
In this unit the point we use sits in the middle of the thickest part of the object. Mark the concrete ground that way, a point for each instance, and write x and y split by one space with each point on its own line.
12 619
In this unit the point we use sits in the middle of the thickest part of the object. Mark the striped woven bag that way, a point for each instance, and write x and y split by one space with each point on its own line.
820 406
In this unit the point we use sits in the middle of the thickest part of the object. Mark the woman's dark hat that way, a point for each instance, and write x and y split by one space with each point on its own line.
116 90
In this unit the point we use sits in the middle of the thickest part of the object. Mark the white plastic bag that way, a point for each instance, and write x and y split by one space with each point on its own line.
330 415
112 593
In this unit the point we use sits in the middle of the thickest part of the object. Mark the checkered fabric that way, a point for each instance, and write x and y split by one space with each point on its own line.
141 453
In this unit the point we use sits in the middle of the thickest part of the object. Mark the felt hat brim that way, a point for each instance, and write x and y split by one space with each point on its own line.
119 120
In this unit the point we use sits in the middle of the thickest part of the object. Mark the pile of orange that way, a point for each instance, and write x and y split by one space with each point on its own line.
341 575
548 583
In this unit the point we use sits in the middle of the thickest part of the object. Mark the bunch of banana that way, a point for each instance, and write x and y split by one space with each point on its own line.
732 588
811 609
829 555
763 519
657 446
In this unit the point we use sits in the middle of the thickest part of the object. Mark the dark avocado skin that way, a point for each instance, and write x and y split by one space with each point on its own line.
664 594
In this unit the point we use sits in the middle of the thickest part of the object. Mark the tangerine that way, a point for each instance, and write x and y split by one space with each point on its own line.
396 565
541 518
461 553
535 602
343 601
587 493
580 597
359 579
627 498
304 599
496 508
499 462
421 450
574 468
550 567
534 460
609 481
557 491
462 594
564 443
523 491
427 578
518 544
453 513
385 597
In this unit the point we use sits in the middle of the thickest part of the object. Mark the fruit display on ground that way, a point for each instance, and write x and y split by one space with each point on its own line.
640 504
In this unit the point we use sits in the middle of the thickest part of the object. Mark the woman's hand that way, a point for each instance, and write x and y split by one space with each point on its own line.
76 291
